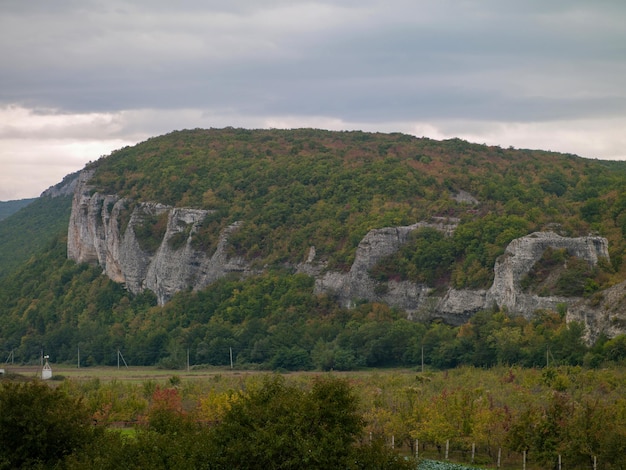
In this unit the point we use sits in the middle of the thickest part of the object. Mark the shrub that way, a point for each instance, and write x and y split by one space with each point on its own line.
40 425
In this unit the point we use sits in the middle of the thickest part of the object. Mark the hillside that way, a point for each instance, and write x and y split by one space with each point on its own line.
10 207
262 199
29 230
300 188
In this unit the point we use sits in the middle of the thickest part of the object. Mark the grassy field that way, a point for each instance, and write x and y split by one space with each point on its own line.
134 373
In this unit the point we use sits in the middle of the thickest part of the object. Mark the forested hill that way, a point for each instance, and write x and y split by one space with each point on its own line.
10 207
293 189
297 188
31 229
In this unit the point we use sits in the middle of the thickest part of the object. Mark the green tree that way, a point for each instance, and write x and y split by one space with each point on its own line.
281 426
40 425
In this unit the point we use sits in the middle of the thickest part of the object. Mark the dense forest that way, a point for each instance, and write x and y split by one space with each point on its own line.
11 207
30 230
308 187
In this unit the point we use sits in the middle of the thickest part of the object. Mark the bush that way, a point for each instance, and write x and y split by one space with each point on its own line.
40 425
281 426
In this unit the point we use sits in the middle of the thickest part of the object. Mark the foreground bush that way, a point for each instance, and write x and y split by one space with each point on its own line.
40 425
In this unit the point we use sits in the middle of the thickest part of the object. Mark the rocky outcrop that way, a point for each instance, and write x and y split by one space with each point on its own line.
520 256
419 301
456 306
603 313
104 230
358 284
64 188
97 234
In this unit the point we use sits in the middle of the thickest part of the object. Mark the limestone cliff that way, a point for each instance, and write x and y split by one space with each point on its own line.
456 306
520 256
358 284
603 313
103 229
96 235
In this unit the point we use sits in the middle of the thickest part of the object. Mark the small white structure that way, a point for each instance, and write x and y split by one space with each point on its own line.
46 372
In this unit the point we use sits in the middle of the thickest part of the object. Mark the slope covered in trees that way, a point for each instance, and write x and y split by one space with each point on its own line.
294 189
298 188
28 231
11 207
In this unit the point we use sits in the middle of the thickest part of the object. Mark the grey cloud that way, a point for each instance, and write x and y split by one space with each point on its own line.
434 57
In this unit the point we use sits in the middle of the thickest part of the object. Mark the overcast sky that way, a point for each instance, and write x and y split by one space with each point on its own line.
80 78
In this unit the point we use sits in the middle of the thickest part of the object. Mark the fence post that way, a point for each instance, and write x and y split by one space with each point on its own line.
559 461
393 441
417 449
447 448
499 455
473 451
524 460
595 462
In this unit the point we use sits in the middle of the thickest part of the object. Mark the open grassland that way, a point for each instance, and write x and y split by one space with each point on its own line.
131 374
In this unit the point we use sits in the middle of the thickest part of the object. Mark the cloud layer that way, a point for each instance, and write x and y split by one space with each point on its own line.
80 78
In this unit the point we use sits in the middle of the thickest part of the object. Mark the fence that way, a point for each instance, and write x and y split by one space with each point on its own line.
483 457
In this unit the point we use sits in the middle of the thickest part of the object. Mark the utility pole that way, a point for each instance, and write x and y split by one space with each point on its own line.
119 354
78 361
231 358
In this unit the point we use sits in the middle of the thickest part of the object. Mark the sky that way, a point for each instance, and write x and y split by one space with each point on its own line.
80 78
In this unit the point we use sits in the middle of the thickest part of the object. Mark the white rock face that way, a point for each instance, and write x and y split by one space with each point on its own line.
520 256
95 235
357 284
603 313
456 306
102 230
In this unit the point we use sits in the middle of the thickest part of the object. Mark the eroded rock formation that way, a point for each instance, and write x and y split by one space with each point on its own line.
520 256
103 230
456 306
97 234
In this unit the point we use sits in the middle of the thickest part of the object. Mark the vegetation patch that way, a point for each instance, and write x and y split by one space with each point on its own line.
561 274
32 230
207 235
179 239
435 259
427 258
150 231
